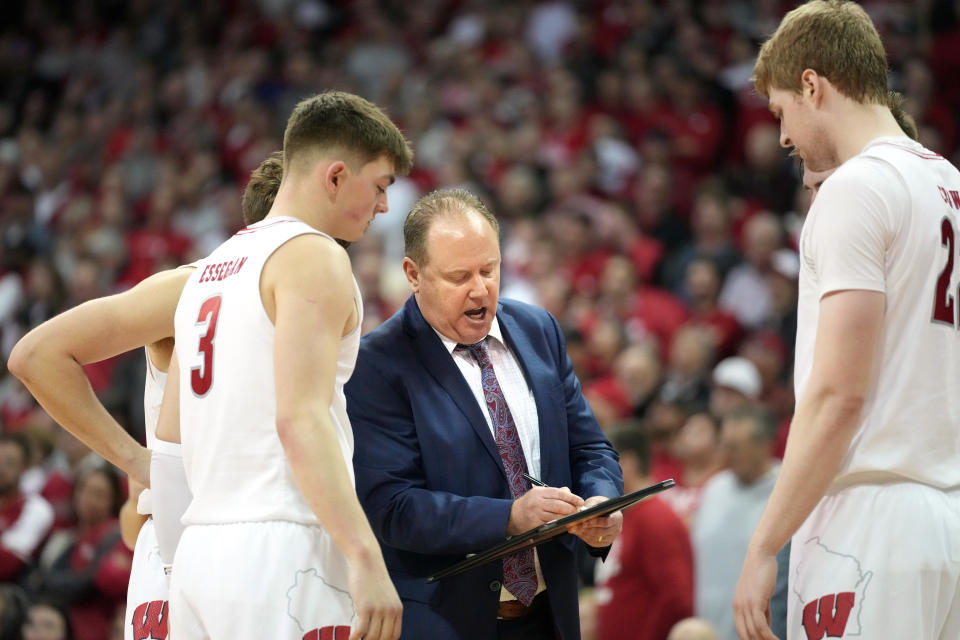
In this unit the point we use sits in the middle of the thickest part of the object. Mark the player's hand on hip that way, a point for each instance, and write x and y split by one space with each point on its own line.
379 611
751 602
541 505
601 531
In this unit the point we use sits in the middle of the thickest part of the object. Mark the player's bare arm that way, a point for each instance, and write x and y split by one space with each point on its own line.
50 358
849 329
307 292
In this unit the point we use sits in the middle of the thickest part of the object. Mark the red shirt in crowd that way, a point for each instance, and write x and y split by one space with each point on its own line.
25 522
645 586
91 616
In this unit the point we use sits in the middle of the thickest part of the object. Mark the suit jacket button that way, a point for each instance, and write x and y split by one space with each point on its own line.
495 585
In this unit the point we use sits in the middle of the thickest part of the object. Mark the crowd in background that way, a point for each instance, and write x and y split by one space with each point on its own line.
643 196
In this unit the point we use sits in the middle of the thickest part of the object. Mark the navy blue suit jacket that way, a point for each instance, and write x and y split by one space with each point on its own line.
430 477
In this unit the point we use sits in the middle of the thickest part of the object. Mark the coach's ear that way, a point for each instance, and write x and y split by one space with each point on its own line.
412 271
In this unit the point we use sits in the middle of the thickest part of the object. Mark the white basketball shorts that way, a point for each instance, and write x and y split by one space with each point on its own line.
877 561
250 581
148 591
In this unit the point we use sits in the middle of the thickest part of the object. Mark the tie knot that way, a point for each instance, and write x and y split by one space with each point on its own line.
478 350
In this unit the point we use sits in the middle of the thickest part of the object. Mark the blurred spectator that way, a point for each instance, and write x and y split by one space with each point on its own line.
70 460
654 206
712 239
692 629
645 585
746 293
736 384
702 291
697 448
13 611
688 370
663 422
634 383
782 284
730 508
25 519
767 180
47 619
89 564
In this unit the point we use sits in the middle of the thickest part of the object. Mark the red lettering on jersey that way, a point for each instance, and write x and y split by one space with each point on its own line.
831 621
150 621
328 633
221 270
944 195
955 197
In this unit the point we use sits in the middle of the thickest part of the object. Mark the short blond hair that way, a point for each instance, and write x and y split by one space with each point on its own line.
834 38
432 206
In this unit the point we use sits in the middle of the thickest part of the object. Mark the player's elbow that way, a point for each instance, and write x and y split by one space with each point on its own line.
839 405
23 357
288 430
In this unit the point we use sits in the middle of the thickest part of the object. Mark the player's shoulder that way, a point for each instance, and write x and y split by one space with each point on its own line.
312 255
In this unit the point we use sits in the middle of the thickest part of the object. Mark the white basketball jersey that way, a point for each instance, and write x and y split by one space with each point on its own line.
888 220
235 463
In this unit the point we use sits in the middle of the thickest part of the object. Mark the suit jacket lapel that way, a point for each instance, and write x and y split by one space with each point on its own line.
516 338
437 361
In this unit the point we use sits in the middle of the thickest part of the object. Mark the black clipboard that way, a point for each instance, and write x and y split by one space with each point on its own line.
549 530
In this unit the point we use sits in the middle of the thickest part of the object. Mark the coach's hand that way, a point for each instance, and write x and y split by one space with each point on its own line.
751 602
541 505
379 611
601 531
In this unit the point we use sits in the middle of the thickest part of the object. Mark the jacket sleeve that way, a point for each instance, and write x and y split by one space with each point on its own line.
391 484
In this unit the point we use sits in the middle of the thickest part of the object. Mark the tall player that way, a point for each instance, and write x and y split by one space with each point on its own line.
870 484
267 328
49 360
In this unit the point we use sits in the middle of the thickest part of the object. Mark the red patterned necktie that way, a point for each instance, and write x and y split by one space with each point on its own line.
519 572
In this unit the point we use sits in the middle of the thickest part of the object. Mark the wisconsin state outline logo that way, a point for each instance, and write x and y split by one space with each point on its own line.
833 594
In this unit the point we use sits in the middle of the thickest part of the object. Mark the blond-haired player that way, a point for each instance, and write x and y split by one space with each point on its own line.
276 544
870 485
49 360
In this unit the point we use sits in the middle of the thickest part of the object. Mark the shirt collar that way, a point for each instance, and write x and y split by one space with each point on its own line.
450 345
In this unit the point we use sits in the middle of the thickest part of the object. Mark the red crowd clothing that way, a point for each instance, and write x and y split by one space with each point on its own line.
25 522
645 586
96 576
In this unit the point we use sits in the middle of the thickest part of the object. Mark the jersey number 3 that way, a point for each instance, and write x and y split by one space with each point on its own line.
201 378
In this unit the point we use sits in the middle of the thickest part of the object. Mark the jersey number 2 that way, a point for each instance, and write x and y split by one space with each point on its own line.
201 378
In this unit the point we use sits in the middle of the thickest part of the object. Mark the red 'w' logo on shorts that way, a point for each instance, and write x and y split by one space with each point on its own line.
328 633
150 621
833 610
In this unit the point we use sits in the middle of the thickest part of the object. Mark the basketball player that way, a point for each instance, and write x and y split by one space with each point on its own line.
267 330
870 484
49 360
